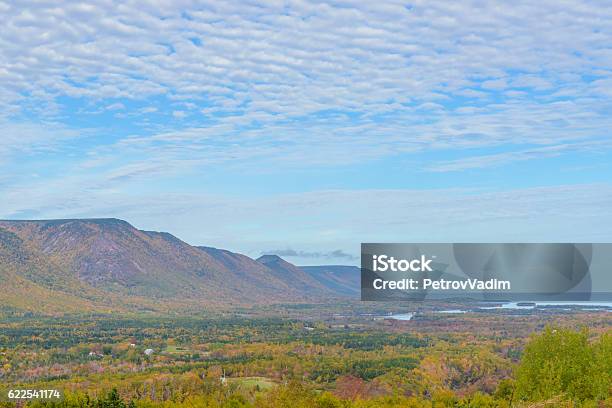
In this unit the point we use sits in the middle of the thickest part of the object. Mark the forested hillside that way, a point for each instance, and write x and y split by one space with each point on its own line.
150 363
107 264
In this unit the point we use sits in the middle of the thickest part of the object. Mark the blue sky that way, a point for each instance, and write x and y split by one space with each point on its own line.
305 128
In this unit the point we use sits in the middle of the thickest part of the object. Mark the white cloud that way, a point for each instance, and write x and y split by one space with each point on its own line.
500 159
340 219
269 85
298 58
29 138
495 84
115 106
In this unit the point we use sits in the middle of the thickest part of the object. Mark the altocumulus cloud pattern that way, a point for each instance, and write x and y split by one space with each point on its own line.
105 106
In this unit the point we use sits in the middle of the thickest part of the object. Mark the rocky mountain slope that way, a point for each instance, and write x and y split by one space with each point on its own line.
107 264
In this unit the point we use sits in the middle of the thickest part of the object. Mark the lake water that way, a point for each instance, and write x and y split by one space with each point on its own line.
400 316
566 306
451 311
516 306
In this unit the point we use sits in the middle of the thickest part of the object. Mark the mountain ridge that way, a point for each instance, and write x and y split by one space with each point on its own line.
108 264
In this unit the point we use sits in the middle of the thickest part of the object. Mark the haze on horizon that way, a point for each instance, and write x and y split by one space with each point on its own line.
305 128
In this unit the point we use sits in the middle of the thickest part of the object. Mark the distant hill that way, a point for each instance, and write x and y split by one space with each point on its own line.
294 276
73 265
342 279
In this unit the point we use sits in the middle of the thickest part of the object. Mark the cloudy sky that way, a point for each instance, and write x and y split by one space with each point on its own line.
305 128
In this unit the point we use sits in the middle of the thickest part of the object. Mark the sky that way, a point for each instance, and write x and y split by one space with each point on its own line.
304 128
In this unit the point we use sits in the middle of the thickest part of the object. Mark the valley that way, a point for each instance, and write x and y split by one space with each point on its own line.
111 316
344 355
